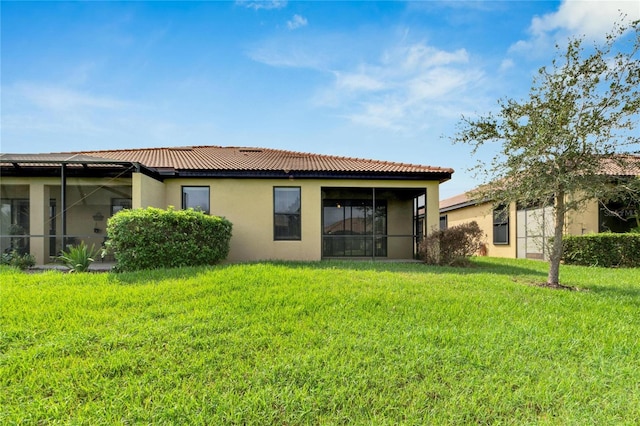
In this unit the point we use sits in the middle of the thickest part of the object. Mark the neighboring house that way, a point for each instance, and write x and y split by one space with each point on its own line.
283 205
524 231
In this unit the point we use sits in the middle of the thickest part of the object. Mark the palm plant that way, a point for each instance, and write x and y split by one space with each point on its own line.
78 258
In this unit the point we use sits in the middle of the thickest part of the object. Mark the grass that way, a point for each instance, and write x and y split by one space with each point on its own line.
321 343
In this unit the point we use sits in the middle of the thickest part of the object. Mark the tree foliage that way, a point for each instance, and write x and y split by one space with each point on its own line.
582 113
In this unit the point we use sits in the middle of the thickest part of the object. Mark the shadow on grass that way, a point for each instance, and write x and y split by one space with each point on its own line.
631 292
477 266
162 274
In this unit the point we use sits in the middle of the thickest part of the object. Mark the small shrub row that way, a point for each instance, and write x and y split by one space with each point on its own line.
155 238
605 249
17 260
452 246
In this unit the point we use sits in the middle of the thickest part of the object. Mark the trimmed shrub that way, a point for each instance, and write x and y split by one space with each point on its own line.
154 238
605 249
452 246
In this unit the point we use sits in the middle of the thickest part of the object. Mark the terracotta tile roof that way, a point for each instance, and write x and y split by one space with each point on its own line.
457 200
256 159
622 165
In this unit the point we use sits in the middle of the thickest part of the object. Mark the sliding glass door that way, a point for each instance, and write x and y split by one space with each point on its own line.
353 228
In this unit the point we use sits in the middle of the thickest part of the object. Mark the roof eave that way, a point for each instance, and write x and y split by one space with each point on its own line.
313 174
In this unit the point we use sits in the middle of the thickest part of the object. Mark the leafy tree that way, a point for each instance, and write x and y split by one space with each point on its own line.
581 114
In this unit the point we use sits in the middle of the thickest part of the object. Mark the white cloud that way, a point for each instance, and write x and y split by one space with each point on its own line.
358 81
302 51
592 19
506 64
582 18
63 99
297 22
406 90
405 87
262 4
44 112
295 57
420 56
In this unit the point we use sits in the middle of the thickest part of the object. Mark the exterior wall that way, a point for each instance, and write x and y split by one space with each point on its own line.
483 215
39 218
585 221
247 203
432 215
147 192
528 228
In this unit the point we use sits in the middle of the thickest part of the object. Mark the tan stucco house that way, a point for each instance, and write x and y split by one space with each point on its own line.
283 205
523 231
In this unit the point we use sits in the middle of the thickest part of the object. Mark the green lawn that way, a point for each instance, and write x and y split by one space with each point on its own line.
321 343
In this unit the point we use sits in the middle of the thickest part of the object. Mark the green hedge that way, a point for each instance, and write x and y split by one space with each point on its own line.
155 238
602 250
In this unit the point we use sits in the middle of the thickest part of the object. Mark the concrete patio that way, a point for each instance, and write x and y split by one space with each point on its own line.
94 267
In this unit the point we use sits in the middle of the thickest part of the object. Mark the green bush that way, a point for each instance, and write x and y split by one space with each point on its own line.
605 249
17 260
452 246
155 238
78 258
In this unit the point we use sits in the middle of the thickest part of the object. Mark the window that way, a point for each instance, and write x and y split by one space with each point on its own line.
443 222
286 213
196 197
501 225
14 225
118 204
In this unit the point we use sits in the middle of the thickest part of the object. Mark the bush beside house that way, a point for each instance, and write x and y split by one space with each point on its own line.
155 238
452 246
605 250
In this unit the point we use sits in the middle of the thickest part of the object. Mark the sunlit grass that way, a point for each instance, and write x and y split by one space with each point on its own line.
321 343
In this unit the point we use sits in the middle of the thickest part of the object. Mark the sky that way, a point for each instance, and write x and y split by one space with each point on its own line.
378 80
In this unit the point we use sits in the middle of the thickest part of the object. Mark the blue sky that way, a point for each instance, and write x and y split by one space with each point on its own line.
380 80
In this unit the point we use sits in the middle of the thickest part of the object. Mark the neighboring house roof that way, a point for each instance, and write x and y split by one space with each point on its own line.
218 161
350 226
624 165
628 165
456 202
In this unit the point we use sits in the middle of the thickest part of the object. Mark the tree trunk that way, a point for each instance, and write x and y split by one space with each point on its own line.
556 249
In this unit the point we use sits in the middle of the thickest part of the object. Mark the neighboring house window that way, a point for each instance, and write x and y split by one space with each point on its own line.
286 213
196 197
443 222
501 225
